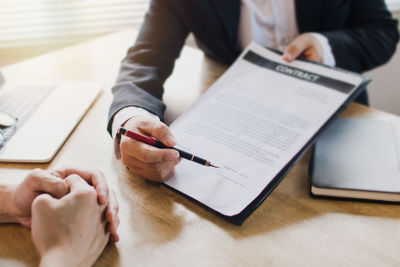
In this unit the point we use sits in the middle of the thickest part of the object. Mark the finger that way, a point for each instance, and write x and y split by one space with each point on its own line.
134 169
76 184
43 181
95 178
103 217
104 224
154 172
112 215
114 239
158 130
153 176
169 175
146 153
153 167
296 48
112 227
57 173
313 55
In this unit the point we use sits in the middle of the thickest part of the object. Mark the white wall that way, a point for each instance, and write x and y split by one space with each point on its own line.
384 90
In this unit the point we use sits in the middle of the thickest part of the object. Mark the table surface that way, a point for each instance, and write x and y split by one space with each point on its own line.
159 227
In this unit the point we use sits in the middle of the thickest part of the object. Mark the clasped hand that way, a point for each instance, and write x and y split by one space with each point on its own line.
55 185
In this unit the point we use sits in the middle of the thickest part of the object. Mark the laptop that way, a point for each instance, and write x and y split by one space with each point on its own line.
36 118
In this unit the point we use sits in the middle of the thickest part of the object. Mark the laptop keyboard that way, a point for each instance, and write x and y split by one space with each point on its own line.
20 102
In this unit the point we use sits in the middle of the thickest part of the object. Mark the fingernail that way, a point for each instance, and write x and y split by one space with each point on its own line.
173 155
170 140
103 198
287 57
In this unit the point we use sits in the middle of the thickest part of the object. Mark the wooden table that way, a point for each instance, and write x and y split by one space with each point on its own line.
159 227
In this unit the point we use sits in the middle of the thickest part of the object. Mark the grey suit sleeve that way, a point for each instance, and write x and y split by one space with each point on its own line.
150 61
369 40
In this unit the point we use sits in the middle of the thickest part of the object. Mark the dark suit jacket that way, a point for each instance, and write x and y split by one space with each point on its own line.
362 34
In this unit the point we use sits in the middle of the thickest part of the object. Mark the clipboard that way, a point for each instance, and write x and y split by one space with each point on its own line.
239 218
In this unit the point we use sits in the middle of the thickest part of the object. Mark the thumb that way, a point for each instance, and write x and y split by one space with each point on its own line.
40 208
296 48
43 200
160 131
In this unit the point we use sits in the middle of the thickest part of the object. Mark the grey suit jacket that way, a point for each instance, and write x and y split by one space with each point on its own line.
362 34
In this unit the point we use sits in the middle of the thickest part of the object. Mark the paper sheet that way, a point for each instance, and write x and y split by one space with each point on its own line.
251 123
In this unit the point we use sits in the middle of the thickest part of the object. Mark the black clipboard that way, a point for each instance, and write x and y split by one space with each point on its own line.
241 217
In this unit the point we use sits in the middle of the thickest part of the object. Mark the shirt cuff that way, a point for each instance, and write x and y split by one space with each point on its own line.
120 118
329 59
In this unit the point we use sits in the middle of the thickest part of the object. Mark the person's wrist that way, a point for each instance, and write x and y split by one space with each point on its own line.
127 113
59 257
8 210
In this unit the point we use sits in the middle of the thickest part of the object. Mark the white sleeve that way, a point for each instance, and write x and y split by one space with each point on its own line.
329 59
121 117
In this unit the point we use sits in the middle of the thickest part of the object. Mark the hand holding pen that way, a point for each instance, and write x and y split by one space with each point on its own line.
150 162
156 143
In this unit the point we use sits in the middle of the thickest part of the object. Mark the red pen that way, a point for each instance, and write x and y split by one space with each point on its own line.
154 142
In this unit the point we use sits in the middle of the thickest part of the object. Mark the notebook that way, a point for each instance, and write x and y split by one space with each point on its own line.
357 159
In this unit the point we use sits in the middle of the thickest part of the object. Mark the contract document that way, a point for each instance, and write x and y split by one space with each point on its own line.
254 123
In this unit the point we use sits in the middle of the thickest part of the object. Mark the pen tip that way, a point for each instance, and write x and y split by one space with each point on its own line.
214 166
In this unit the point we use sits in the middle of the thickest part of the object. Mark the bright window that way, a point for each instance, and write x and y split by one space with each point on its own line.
49 22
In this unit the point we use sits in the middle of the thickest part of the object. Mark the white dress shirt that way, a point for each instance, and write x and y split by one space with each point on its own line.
271 23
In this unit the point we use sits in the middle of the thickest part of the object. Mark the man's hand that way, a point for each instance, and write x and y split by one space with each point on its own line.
105 195
18 198
151 163
22 195
70 231
307 46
